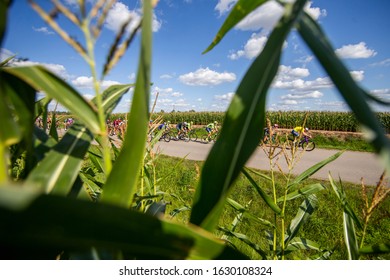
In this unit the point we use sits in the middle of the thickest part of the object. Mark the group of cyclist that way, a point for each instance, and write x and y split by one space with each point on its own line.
298 131
116 126
186 127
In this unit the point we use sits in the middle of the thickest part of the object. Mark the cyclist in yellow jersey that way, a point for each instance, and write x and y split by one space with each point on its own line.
300 130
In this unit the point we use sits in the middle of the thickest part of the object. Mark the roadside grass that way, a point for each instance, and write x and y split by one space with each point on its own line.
349 142
325 227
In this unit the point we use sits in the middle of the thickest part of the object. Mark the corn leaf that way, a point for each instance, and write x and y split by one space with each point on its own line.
350 237
44 226
41 79
299 243
375 249
305 191
57 172
122 182
267 199
312 170
356 98
242 128
239 12
247 214
245 239
343 200
305 210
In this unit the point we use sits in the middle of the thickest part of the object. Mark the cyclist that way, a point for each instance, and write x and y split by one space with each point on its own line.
211 128
162 126
182 126
269 132
68 122
300 130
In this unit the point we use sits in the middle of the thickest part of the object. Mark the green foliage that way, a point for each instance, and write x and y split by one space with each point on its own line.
62 194
322 120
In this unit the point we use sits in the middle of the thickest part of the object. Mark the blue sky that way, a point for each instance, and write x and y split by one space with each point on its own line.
187 80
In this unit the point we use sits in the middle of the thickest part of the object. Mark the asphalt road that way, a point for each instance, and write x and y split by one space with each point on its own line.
350 166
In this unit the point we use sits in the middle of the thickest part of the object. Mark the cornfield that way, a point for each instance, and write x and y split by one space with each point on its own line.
326 120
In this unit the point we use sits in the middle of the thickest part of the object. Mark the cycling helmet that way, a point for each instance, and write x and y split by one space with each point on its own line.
276 125
306 129
185 123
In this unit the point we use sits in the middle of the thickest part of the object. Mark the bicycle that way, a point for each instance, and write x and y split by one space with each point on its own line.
306 143
183 135
213 137
269 141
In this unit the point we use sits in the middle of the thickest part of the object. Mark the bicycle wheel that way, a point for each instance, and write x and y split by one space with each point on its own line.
308 146
290 143
173 136
166 137
206 139
184 136
193 136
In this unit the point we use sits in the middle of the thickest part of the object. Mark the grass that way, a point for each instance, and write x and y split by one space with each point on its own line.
349 142
325 227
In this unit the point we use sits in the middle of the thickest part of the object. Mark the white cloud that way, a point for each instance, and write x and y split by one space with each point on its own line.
176 94
385 62
224 6
166 76
355 51
225 97
120 13
87 82
357 75
58 69
314 94
252 47
44 30
384 91
163 91
288 102
287 73
299 84
206 77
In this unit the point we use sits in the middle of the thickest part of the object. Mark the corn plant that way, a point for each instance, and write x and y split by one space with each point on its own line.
240 133
55 211
352 224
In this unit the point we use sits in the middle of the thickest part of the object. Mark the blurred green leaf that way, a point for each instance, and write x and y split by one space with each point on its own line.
375 249
57 172
355 97
60 168
122 182
51 224
43 80
242 127
239 12
4 4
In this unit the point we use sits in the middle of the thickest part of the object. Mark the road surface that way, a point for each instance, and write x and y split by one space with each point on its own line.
350 166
